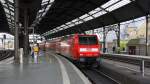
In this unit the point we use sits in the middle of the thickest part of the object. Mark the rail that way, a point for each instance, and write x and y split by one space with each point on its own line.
4 54
137 58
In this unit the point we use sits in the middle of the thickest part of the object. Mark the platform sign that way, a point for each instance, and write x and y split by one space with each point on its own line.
4 36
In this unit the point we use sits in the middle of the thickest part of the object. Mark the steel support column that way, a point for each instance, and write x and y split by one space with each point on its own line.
104 40
33 36
147 21
16 42
26 36
93 31
118 38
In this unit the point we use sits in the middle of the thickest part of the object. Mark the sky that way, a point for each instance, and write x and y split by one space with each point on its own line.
8 37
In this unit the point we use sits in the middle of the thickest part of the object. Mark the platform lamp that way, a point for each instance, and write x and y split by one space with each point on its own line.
33 32
8 44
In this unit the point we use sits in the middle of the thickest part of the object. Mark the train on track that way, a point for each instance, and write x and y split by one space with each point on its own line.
80 48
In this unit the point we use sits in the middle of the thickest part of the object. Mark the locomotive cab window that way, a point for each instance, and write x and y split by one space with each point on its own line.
87 40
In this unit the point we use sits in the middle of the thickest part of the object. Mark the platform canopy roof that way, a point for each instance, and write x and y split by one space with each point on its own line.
7 13
3 21
108 13
54 18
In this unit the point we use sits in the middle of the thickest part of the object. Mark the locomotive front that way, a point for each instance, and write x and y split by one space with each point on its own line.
88 48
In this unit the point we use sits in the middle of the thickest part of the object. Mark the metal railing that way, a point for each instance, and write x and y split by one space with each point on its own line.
140 51
4 54
133 58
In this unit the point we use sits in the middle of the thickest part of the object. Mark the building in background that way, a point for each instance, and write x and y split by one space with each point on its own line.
137 46
132 33
6 41
137 40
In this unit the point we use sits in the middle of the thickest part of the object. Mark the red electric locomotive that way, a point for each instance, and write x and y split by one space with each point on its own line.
80 47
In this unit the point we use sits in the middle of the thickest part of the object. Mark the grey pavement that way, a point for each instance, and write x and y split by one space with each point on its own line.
48 70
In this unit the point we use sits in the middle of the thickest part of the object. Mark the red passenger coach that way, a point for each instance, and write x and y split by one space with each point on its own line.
80 47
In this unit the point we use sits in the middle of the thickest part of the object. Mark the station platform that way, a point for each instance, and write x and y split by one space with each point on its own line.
130 67
49 69
125 73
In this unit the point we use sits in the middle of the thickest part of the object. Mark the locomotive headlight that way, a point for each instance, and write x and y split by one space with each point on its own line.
94 49
83 49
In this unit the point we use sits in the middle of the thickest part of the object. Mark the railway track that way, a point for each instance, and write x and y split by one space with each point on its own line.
4 54
98 77
94 74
